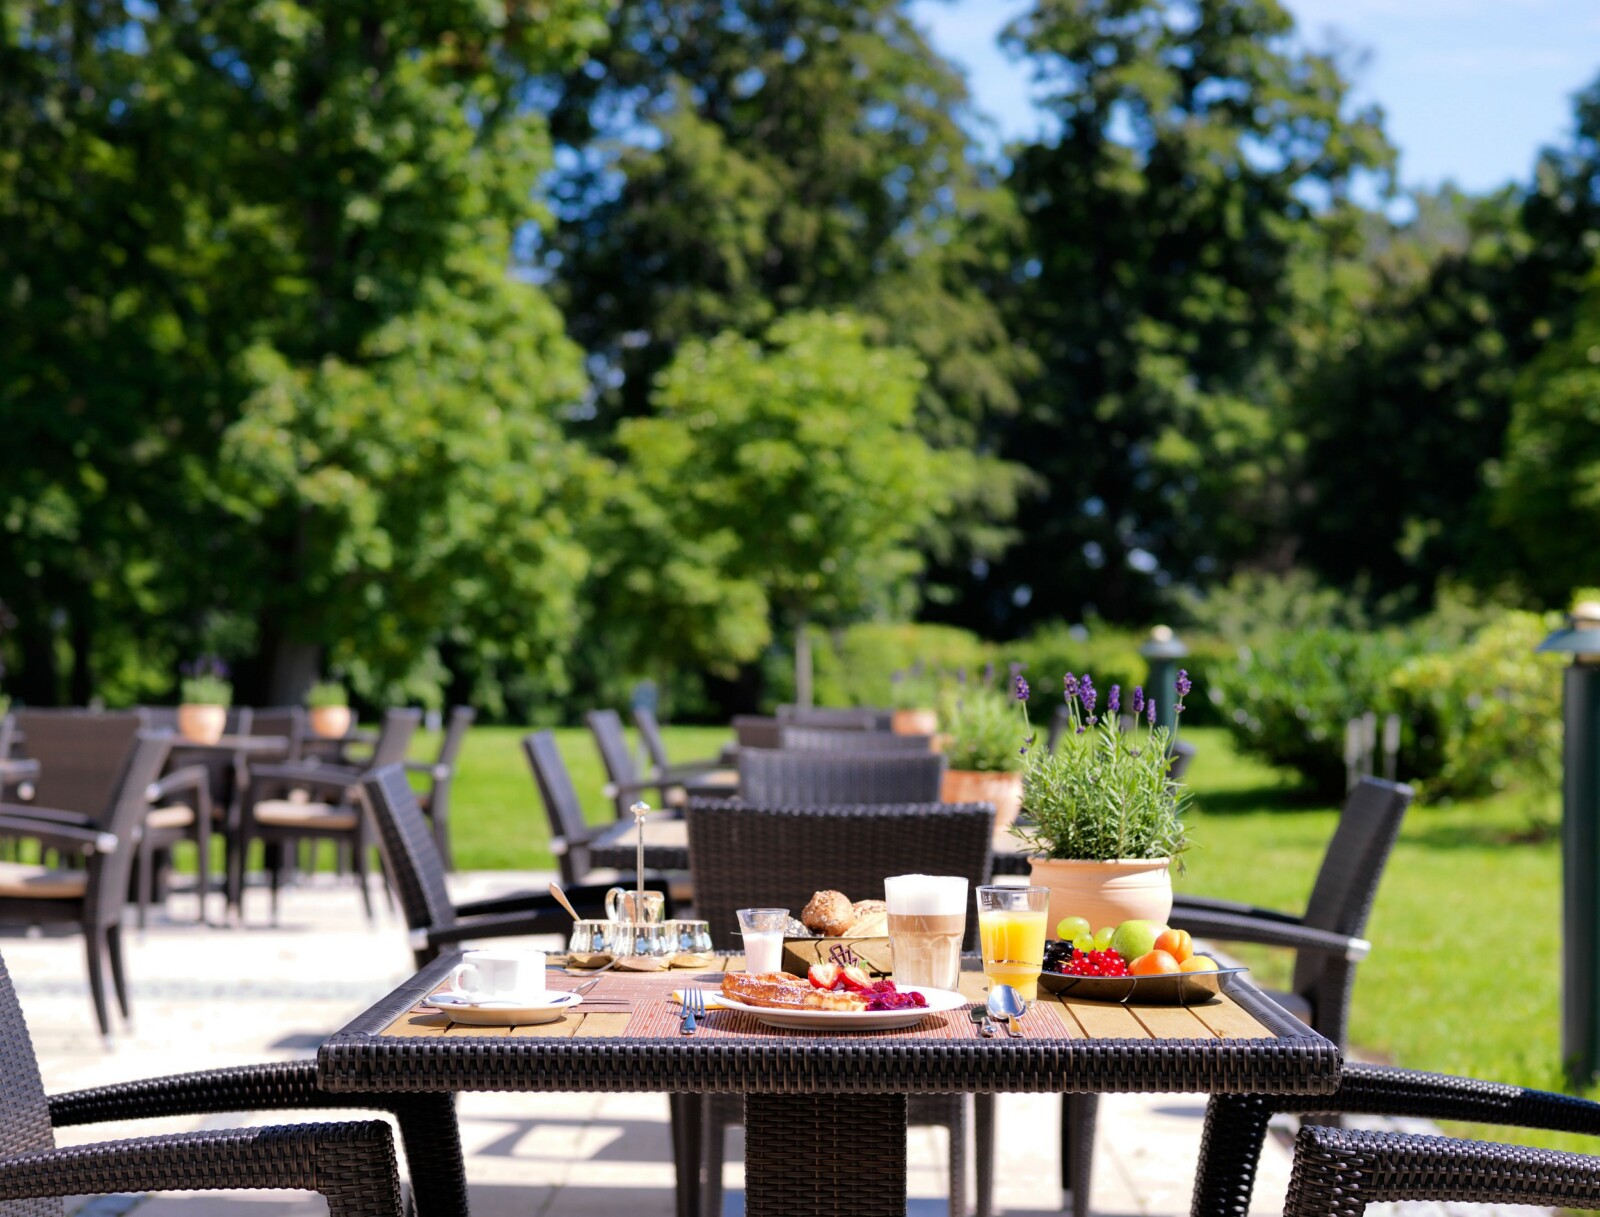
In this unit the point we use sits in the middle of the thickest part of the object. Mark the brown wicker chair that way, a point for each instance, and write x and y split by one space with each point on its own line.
416 872
624 784
1338 1171
92 897
1327 941
742 855
847 718
770 778
663 767
441 774
570 833
274 815
351 1164
832 739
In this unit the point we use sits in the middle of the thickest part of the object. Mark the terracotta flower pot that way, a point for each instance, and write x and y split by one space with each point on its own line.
915 722
201 722
1004 790
330 722
1107 893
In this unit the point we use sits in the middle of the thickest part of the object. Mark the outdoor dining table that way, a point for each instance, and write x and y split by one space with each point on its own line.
825 1114
666 847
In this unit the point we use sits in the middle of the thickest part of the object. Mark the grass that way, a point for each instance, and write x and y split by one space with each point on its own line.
1464 976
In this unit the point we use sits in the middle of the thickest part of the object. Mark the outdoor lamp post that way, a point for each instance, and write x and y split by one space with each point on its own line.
1580 841
1162 653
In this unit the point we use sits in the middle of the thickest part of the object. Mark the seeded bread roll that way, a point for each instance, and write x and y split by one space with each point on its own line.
829 913
872 920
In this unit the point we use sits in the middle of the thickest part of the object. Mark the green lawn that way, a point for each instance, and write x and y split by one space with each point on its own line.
1464 974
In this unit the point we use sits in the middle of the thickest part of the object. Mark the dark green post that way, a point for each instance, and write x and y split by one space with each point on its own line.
1162 653
1580 843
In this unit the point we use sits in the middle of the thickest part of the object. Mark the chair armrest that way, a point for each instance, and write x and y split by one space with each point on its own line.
1340 1170
1206 904
1227 927
612 789
589 899
353 1159
330 779
50 815
192 780
437 772
505 925
689 770
59 836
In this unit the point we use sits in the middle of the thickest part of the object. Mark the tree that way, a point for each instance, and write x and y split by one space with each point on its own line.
1187 219
205 204
790 466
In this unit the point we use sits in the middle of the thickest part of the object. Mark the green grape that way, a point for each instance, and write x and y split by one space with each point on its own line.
1102 939
1083 942
1073 928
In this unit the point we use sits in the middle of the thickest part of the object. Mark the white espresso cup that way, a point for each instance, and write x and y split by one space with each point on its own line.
498 975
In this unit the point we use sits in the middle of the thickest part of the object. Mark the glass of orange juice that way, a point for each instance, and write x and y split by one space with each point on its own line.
1011 927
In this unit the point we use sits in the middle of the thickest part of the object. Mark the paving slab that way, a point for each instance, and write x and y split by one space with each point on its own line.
207 997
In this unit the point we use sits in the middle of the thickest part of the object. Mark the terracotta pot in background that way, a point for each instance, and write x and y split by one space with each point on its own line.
330 722
1107 893
915 722
1004 790
202 722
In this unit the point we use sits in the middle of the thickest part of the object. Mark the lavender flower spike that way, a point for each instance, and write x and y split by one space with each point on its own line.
1114 702
1183 683
1069 686
1087 696
1021 688
1138 699
1150 711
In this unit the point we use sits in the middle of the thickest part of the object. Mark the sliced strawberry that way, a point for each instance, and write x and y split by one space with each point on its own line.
856 979
824 975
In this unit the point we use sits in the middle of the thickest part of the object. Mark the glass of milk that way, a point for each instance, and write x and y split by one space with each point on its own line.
763 938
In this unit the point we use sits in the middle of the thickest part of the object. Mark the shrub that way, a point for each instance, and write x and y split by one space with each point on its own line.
984 729
871 653
1486 715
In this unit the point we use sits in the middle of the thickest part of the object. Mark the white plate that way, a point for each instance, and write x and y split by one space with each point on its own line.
518 1012
939 1001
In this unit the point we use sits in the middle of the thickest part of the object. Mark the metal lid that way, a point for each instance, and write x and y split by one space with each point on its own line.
1164 644
1582 633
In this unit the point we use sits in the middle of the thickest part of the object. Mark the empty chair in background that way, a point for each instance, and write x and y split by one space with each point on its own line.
441 775
691 773
829 739
570 834
802 779
857 718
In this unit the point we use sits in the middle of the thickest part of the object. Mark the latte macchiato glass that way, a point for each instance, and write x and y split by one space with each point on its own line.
927 920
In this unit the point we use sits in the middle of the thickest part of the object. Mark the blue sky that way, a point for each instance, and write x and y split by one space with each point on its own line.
1471 88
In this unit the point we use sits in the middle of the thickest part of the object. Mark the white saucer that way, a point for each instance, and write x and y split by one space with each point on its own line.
505 1012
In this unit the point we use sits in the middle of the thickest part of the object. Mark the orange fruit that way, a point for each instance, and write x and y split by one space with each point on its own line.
1153 963
1176 943
1198 963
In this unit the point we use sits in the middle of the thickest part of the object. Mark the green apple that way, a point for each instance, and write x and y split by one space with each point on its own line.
1071 928
1135 938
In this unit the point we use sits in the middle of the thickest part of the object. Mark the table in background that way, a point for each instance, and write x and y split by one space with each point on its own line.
825 1115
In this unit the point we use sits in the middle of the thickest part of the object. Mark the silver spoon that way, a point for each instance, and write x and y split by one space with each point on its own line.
1005 1003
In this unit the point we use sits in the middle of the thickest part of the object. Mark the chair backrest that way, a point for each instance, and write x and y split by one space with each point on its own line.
742 855
769 778
650 732
1347 883
394 737
24 1110
286 721
82 755
753 731
557 793
612 740
8 732
410 856
1059 722
829 739
124 819
1182 758
851 718
455 734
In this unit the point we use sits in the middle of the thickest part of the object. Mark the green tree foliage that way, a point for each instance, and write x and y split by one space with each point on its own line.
790 471
312 208
1186 220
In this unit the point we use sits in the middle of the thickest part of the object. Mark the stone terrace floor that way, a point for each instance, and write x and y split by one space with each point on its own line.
211 997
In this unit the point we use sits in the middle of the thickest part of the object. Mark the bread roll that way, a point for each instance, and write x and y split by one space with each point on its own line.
830 913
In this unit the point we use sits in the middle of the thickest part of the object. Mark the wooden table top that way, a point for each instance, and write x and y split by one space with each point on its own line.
640 1005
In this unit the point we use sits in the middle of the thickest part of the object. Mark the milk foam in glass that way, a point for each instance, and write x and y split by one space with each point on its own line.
927 920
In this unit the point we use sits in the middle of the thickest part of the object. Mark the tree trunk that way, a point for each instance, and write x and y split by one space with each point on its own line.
802 665
82 683
293 669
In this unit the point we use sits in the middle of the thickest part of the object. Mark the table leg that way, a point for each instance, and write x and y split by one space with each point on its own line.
686 1134
808 1155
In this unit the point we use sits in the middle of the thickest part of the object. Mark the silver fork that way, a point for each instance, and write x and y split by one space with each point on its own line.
694 1004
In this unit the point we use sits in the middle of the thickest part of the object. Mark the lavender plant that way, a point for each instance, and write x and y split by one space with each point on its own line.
981 729
1104 793
205 682
327 693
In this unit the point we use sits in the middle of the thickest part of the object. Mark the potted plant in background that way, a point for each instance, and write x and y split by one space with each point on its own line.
913 696
980 745
204 697
1104 819
329 709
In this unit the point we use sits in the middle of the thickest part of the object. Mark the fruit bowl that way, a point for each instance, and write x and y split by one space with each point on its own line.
1165 989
